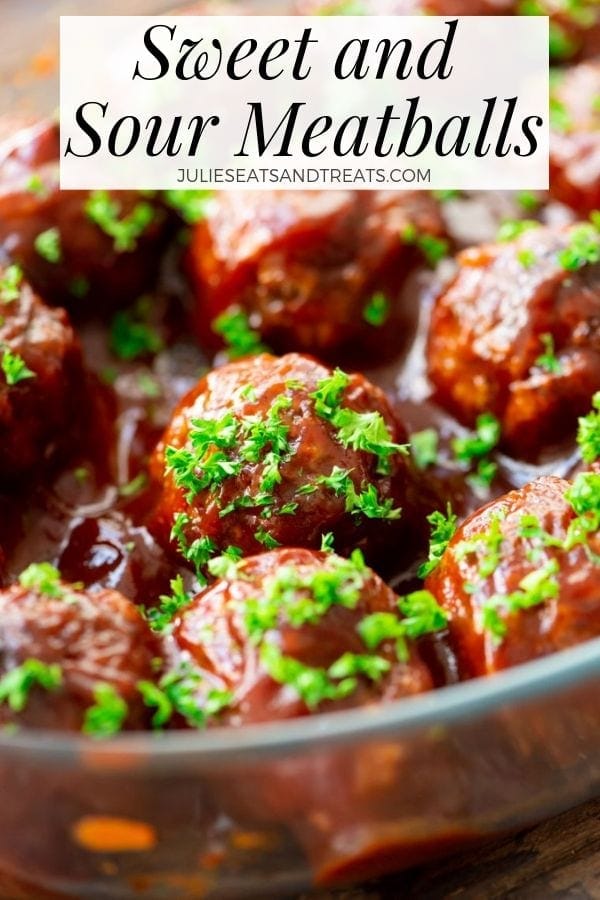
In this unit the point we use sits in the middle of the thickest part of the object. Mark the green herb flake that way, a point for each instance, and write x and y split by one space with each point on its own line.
17 683
132 338
588 432
528 200
159 618
14 368
48 245
443 527
479 444
104 211
239 337
36 186
527 258
424 448
511 229
548 360
108 713
192 205
10 284
582 249
537 587
134 486
376 312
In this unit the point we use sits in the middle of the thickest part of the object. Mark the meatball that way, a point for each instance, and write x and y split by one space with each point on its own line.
76 248
519 579
575 140
40 377
285 256
60 645
282 634
266 452
517 333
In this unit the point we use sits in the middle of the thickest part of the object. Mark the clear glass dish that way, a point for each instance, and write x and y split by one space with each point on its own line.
274 808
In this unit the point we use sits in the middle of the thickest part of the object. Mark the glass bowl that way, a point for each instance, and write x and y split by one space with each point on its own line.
274 808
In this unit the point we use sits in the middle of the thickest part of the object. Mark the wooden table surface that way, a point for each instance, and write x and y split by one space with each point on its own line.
557 860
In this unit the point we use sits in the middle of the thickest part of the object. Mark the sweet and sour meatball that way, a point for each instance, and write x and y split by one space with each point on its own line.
519 579
40 377
293 631
64 650
267 452
517 333
304 265
575 140
78 248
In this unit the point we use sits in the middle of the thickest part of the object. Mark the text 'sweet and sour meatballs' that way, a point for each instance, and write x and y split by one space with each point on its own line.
40 376
70 658
519 579
293 631
517 334
267 452
285 257
76 247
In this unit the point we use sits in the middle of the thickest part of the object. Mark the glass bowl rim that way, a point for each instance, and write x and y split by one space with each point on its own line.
230 745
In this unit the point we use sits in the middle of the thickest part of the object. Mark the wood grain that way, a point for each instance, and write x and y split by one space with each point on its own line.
557 860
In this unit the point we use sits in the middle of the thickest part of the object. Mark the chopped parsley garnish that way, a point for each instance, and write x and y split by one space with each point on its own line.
47 244
327 545
10 284
560 119
527 258
479 444
377 310
36 186
199 552
267 540
528 200
313 685
16 684
79 286
535 588
445 195
104 211
481 479
433 248
342 8
44 578
134 486
131 336
238 336
226 565
511 229
443 528
159 618
548 360
583 248
561 45
178 692
192 205
14 367
424 447
588 432
421 615
108 713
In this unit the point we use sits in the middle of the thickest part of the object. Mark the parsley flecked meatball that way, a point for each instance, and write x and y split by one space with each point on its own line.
266 452
293 631
575 139
70 658
313 270
40 377
517 334
519 579
76 247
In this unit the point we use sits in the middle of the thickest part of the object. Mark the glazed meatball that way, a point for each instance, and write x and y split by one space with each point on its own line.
517 333
575 140
284 257
266 452
281 633
76 248
519 579
60 643
40 377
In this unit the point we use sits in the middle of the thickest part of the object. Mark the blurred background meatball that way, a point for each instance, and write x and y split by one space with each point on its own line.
305 265
575 138
517 333
64 650
40 377
267 452
519 579
294 631
85 250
